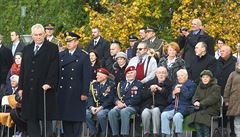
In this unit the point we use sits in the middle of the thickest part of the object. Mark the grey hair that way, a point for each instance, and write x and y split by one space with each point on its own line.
37 26
183 71
162 68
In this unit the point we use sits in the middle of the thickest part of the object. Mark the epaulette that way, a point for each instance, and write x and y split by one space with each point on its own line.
84 51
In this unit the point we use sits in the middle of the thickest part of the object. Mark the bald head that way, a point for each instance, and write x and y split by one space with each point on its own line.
196 24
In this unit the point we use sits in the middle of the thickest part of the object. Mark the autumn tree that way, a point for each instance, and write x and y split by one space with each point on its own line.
220 17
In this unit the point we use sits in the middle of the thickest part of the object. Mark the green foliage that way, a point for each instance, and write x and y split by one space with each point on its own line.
64 14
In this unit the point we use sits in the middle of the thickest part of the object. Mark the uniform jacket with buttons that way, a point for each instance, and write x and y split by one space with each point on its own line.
74 80
132 95
103 94
37 70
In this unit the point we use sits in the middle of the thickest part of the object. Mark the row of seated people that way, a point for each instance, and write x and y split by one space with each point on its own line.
158 100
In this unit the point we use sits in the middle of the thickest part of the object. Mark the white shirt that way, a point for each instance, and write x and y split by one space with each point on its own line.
96 41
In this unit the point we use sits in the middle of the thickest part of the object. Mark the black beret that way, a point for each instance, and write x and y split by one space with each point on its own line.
69 36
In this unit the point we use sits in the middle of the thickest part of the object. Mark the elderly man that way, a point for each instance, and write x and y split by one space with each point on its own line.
179 100
154 100
126 101
39 74
225 65
195 36
145 65
100 101
203 60
74 81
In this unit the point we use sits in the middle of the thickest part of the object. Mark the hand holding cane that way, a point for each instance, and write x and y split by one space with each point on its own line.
45 88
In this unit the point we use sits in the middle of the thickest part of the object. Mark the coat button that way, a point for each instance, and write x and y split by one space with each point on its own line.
72 69
77 60
60 86
61 77
33 62
61 60
70 87
71 78
31 88
32 70
62 68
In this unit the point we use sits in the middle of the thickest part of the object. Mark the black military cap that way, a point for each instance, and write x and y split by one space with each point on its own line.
116 41
69 36
132 38
49 26
150 29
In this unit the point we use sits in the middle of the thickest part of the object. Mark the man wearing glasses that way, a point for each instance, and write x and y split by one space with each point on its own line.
145 65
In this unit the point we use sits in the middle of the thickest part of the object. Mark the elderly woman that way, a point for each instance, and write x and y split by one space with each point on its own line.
119 66
155 98
231 97
172 62
206 102
179 100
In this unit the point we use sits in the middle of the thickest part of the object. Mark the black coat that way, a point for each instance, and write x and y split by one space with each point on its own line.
223 70
207 62
6 60
191 42
160 98
75 77
108 64
19 48
102 48
37 70
119 72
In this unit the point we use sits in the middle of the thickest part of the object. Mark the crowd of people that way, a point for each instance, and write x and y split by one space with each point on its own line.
154 81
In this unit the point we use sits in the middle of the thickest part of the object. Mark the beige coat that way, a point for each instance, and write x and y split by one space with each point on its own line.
232 93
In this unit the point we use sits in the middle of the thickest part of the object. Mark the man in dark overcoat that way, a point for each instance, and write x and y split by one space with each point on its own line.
74 81
6 60
39 74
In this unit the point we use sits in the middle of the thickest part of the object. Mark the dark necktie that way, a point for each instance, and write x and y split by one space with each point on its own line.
95 42
36 49
127 86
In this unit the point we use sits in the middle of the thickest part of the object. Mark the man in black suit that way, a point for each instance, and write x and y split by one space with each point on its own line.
39 74
99 44
6 60
17 45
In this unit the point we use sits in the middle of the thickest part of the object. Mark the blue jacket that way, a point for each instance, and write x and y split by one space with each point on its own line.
104 95
185 98
74 80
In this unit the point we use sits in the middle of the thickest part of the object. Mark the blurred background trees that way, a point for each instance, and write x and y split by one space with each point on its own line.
119 18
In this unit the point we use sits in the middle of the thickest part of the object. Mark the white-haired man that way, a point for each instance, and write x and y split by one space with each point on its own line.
39 74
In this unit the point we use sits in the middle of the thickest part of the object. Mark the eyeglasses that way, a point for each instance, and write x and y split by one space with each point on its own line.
140 49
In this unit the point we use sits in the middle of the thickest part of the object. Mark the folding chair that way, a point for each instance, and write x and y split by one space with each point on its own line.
217 117
4 105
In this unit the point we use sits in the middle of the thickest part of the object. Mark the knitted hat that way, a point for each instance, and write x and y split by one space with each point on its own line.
206 72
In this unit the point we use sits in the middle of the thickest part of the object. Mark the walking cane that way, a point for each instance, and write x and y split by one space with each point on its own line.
45 114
